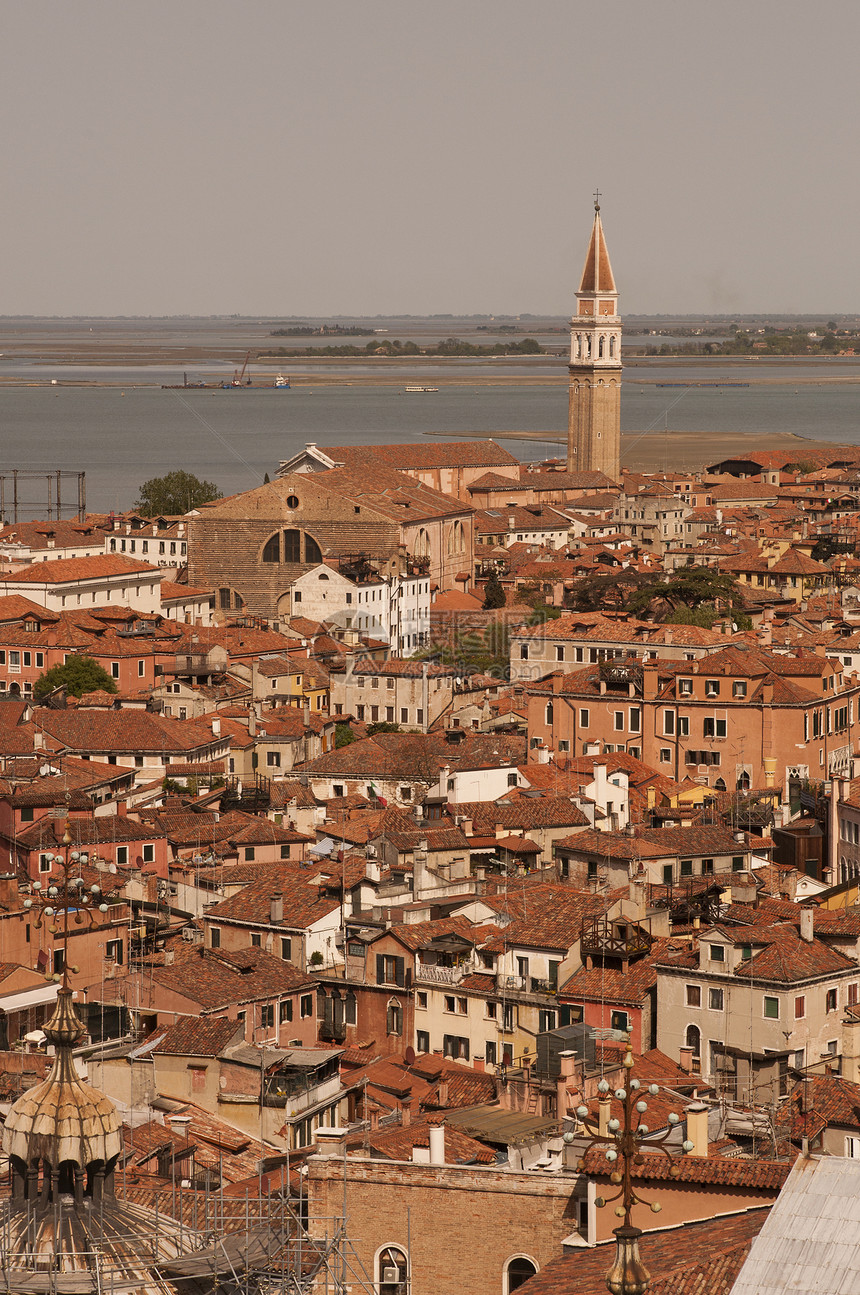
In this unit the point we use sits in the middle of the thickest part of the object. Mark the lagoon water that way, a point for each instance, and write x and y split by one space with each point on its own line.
121 436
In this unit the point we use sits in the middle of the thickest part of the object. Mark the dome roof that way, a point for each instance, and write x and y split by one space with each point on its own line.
63 1118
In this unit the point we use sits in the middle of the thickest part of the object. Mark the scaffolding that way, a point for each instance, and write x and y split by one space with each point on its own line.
169 1238
28 495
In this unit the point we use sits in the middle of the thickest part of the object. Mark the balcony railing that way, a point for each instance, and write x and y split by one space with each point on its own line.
440 975
601 938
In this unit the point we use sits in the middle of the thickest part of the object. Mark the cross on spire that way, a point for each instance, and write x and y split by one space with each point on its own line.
597 200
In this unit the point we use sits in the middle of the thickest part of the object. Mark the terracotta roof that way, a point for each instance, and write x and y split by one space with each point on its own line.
303 903
65 570
423 456
702 1258
766 1174
218 979
198 1036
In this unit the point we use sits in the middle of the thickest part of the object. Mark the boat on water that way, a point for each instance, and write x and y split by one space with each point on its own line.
282 382
422 388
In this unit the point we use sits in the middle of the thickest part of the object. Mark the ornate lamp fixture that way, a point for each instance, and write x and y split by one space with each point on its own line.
64 899
624 1149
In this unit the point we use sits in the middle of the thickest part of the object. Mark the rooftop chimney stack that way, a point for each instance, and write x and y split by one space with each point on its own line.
807 916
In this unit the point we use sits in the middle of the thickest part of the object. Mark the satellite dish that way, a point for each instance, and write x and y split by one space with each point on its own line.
409 1056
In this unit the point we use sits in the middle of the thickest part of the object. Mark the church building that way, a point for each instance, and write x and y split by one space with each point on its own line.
594 411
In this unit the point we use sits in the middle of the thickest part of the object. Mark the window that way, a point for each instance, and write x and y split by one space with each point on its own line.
113 949
635 719
422 1041
394 1018
685 687
214 937
114 669
831 1000
800 1008
739 688
285 852
737 863
715 1000
273 759
389 970
546 1020
713 727
693 994
455 1047
249 853
712 687
256 939
583 719
771 1008
524 651
490 1054
463 1006
491 1010
392 1271
718 953
686 867
421 998
449 1002
669 723
852 994
267 1016
122 855
559 653
285 1011
665 755
306 1006
350 1008
149 854
619 1020
404 715
618 720
519 1269
707 867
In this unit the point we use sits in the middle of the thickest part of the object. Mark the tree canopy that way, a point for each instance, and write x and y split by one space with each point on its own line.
494 594
78 674
176 492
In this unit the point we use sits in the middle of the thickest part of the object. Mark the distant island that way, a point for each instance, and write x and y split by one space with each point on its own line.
451 346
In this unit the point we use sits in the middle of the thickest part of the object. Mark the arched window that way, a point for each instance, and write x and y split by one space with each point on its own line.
350 1006
392 1271
422 544
229 600
744 781
394 1017
517 1271
600 344
291 546
612 346
720 785
549 714
693 1039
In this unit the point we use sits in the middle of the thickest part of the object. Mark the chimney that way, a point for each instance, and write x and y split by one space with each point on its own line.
437 1144
604 1108
38 740
807 916
252 722
697 1128
442 1092
685 1060
276 909
216 728
8 889
851 1049
168 957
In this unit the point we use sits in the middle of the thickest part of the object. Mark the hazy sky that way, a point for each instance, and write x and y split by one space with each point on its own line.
376 156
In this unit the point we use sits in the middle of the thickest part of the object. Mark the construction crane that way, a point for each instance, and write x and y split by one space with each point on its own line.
239 374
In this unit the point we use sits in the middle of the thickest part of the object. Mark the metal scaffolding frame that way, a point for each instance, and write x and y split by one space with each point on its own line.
16 506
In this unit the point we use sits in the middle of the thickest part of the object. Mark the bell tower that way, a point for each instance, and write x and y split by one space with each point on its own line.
594 411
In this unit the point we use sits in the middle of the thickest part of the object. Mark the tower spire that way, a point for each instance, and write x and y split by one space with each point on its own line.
594 415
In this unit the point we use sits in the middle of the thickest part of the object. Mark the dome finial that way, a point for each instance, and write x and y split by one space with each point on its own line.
597 200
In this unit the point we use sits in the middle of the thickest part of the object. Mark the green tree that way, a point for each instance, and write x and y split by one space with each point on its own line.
494 594
177 492
78 674
384 726
343 736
